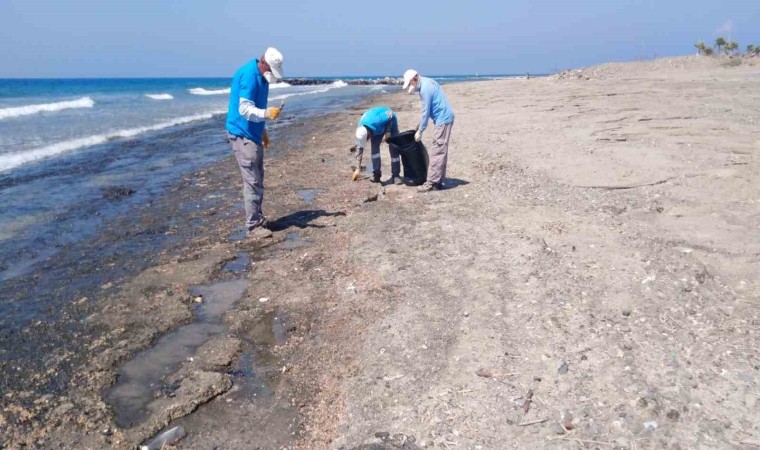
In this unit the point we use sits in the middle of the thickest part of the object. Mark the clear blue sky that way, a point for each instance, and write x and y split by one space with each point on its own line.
106 38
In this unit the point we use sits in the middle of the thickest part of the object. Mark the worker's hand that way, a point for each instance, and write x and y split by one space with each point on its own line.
355 175
417 136
265 139
387 136
272 113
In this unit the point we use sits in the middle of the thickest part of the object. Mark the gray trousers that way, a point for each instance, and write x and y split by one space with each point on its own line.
439 153
250 159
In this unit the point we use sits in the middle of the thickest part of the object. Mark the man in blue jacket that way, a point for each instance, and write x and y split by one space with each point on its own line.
377 124
246 118
434 106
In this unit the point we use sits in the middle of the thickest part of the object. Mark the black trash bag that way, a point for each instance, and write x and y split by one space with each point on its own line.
414 157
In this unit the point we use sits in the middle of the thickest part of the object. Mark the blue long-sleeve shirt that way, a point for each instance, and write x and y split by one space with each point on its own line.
378 120
435 105
248 86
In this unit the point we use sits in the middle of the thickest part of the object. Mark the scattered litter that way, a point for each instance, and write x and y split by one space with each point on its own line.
264 299
394 377
563 367
168 437
198 299
650 425
533 422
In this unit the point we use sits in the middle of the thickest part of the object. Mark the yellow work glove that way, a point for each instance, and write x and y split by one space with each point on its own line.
355 175
265 139
272 113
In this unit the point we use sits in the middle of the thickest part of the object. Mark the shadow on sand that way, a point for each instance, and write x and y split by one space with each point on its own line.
302 219
453 183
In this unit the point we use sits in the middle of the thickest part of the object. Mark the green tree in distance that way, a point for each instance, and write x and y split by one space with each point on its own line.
700 45
720 43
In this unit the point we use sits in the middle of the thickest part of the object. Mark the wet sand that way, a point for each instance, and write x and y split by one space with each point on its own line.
589 277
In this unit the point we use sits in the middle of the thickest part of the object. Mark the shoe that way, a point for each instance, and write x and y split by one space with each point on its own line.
393 180
428 186
259 233
375 178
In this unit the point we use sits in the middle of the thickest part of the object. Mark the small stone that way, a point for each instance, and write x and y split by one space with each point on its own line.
567 420
650 425
563 368
382 435
627 311
198 299
485 373
557 428
264 299
673 415
643 403
466 314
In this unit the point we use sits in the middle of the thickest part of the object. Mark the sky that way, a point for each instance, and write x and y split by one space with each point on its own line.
191 38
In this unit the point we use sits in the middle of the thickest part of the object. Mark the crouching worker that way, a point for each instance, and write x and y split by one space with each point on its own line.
377 125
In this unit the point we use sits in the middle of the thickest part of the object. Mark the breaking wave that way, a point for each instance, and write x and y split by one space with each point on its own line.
84 102
201 91
329 87
12 160
160 96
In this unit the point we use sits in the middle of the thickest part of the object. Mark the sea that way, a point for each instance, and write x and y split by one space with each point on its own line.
68 146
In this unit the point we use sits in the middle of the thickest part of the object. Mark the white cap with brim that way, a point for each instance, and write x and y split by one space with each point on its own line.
361 136
408 75
274 58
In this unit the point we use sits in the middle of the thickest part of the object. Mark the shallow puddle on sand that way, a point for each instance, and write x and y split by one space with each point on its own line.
309 195
237 235
255 397
143 375
238 265
293 241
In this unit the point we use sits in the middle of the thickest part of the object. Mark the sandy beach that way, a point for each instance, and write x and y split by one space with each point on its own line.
589 278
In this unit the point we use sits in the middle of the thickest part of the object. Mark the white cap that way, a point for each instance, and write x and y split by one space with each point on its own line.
273 57
361 136
408 75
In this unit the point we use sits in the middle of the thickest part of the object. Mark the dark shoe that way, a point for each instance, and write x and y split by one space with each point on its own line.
375 178
393 180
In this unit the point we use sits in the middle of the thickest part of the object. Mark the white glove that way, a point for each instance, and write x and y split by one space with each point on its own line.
418 136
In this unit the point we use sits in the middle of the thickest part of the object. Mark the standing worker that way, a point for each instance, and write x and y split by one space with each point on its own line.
377 124
246 118
434 106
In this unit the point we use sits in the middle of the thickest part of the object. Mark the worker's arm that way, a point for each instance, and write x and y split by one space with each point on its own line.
427 99
388 127
249 110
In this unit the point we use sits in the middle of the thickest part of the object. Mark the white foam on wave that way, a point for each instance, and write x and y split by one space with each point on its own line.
12 160
160 96
84 102
321 90
279 85
202 91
